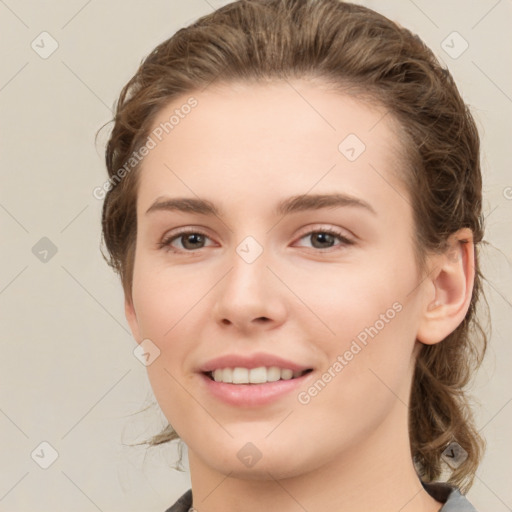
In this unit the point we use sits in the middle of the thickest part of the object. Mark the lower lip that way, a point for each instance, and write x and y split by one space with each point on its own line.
252 395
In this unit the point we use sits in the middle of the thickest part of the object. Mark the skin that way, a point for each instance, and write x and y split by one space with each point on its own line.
245 148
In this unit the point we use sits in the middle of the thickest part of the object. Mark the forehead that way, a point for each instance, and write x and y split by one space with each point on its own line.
241 138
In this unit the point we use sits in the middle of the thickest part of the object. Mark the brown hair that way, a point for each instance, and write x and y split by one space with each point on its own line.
365 54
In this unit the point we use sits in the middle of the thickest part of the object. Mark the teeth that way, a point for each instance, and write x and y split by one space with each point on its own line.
259 375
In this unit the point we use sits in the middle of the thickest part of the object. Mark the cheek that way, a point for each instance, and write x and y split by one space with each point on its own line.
368 336
348 299
166 317
164 308
367 375
163 297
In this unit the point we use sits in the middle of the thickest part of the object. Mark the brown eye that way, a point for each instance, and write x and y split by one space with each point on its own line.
189 240
326 238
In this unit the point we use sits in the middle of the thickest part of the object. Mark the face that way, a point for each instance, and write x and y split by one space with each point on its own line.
329 285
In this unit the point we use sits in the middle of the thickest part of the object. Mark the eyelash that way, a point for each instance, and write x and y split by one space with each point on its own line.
165 244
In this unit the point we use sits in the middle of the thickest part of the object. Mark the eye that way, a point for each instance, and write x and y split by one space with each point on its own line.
324 238
190 240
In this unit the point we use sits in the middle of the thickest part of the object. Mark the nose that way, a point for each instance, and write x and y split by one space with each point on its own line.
250 296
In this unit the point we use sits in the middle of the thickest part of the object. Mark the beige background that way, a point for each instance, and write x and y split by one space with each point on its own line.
68 374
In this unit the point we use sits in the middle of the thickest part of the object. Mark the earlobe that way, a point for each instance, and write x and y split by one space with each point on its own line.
452 278
131 318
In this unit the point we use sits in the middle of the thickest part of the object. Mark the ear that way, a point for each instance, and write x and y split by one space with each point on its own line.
131 317
449 288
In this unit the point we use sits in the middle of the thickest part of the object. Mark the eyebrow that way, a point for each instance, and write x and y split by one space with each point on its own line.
299 203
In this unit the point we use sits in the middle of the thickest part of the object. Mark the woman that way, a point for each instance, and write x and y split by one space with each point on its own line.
294 208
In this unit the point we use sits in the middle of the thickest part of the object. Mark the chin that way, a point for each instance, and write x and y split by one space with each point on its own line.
261 470
252 461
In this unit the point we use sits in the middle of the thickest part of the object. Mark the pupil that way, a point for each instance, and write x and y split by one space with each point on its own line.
190 238
326 236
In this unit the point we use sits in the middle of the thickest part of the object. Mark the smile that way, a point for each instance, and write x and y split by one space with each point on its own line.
260 375
247 394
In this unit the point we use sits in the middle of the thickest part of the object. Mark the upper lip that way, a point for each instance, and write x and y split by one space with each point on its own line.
251 361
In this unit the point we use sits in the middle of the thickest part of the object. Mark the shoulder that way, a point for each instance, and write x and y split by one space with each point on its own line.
453 500
183 503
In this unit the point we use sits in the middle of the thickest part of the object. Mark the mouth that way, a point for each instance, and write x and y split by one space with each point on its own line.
237 376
